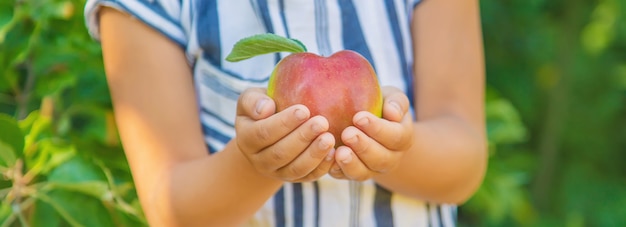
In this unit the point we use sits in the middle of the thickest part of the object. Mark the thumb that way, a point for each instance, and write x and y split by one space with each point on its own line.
255 104
395 104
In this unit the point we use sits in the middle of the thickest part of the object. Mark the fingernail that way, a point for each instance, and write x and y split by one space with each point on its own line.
347 160
300 114
344 156
317 128
364 121
396 106
330 155
259 105
323 144
352 139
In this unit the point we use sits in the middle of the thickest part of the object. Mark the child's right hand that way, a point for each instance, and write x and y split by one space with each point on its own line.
288 145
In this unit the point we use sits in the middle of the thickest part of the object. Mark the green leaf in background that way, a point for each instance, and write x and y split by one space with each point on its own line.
44 215
54 83
503 196
620 76
11 136
76 170
58 156
6 18
73 208
504 125
7 155
6 12
263 44
77 188
49 153
16 47
97 189
35 126
5 213
598 34
47 57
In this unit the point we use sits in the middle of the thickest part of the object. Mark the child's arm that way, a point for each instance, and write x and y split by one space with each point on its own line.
447 159
178 182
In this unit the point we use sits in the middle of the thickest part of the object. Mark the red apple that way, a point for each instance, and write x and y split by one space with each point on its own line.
336 87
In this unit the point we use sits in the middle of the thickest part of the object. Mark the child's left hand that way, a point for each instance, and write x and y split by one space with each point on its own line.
375 145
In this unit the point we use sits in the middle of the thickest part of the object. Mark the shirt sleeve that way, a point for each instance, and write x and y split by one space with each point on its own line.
414 3
162 15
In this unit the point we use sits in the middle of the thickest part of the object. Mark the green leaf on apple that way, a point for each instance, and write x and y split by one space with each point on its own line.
263 44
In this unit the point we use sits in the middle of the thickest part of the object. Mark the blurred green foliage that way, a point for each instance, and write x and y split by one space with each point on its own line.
556 109
61 161
555 106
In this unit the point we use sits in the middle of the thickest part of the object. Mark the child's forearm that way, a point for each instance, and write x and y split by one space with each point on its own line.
445 165
218 190
449 155
156 110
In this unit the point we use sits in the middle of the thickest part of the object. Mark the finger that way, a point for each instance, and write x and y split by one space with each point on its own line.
255 104
392 135
350 164
374 156
307 162
256 135
295 143
396 104
322 169
335 171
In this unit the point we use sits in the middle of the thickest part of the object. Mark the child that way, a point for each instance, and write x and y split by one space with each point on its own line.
207 148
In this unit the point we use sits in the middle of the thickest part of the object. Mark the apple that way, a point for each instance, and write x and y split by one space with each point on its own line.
336 87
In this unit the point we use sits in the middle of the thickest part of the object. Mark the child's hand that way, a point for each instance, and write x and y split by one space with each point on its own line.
288 145
375 145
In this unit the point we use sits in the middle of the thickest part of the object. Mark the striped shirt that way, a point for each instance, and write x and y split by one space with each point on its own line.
207 29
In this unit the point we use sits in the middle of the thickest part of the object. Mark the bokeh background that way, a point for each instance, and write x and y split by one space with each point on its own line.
556 111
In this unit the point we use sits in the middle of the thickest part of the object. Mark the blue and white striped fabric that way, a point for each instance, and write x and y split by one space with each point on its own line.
207 30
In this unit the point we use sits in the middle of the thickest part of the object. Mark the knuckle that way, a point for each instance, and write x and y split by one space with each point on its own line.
381 169
297 171
285 123
316 174
316 152
261 167
277 155
303 136
401 98
362 149
378 128
245 99
378 167
244 96
263 134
